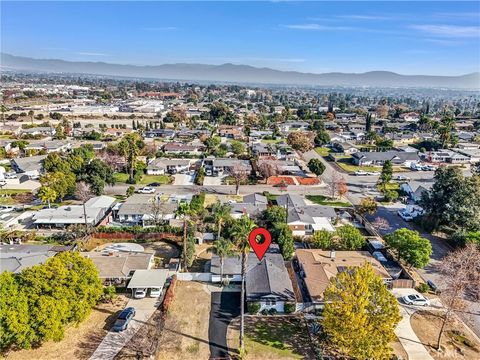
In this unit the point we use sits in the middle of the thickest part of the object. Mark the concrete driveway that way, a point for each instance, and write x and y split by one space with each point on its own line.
183 179
113 342
212 180
225 307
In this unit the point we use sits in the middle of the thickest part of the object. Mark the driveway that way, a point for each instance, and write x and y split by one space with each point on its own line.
404 331
183 179
225 307
212 180
115 341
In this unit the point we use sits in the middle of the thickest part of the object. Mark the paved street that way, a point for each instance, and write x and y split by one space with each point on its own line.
225 307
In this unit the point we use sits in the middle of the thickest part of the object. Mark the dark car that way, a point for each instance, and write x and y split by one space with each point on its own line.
154 184
123 319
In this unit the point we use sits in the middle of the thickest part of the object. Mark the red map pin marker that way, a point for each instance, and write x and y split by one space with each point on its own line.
260 248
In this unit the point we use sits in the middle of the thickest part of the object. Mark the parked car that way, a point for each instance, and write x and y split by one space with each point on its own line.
123 319
10 175
405 215
154 184
146 190
208 172
401 178
416 299
430 167
140 293
374 173
360 173
155 292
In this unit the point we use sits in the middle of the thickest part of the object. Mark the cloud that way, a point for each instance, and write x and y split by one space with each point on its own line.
316 27
445 42
86 53
465 15
364 17
449 31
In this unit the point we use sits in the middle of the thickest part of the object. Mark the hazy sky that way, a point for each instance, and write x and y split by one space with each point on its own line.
441 38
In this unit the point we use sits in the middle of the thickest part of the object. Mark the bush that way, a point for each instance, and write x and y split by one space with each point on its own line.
272 311
289 308
264 312
109 293
140 229
253 307
423 288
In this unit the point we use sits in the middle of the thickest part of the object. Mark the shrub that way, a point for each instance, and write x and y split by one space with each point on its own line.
289 308
253 307
272 311
109 293
423 288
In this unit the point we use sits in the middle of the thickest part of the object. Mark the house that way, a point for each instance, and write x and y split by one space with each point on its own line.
399 158
231 131
192 133
256 135
225 165
266 281
473 154
447 156
49 146
97 210
345 147
31 166
16 257
317 267
116 267
35 131
159 133
410 117
139 209
168 166
180 148
118 132
288 126
346 116
401 138
414 189
261 150
305 219
282 167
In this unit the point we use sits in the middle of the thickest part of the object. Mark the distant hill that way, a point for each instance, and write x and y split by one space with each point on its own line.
240 74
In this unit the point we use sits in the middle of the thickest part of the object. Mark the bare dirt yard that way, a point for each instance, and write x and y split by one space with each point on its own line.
273 337
457 342
185 333
79 342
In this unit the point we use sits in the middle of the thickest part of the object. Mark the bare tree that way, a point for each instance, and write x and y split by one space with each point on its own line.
113 160
266 169
460 272
239 174
158 210
83 193
336 184
381 223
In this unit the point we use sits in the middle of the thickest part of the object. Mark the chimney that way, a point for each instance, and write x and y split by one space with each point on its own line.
332 254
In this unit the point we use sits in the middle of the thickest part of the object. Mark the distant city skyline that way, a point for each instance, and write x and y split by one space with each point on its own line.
437 38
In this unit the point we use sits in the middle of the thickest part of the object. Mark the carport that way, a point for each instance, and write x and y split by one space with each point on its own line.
147 279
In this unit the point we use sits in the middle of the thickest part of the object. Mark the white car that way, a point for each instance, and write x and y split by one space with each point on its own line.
375 173
147 190
360 172
405 215
140 293
155 292
401 178
416 299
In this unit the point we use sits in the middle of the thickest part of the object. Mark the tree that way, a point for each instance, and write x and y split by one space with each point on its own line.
31 114
3 110
368 123
360 315
299 141
410 247
460 278
130 147
223 248
349 238
184 210
62 183
238 147
386 175
266 169
368 205
336 184
83 193
284 237
321 138
316 166
221 213
47 195
272 215
239 175
241 231
323 239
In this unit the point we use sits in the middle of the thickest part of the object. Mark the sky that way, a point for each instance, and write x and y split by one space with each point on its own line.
421 37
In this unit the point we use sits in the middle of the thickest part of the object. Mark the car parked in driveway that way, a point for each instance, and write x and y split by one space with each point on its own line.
405 215
155 292
140 293
123 319
416 299
146 190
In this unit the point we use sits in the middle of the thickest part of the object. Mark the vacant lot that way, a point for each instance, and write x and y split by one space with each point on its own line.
269 338
185 335
79 342
457 343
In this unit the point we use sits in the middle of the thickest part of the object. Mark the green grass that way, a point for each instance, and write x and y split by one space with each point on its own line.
323 200
10 192
120 177
265 141
162 179
323 151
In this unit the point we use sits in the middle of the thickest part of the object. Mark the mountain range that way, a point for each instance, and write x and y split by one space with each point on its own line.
238 74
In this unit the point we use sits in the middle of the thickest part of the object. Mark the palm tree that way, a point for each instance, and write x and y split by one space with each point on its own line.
223 248
130 148
241 231
31 113
221 212
185 212
3 109
83 193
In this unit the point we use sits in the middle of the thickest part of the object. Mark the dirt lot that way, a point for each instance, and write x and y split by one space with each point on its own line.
163 250
79 342
427 324
185 334
269 338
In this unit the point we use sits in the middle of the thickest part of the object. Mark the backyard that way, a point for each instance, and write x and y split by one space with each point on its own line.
270 338
185 334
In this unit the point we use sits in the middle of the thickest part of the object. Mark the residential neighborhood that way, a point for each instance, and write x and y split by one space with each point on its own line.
249 206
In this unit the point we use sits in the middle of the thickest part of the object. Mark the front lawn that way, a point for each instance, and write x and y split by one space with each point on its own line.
323 200
346 164
120 177
323 151
273 337
146 179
